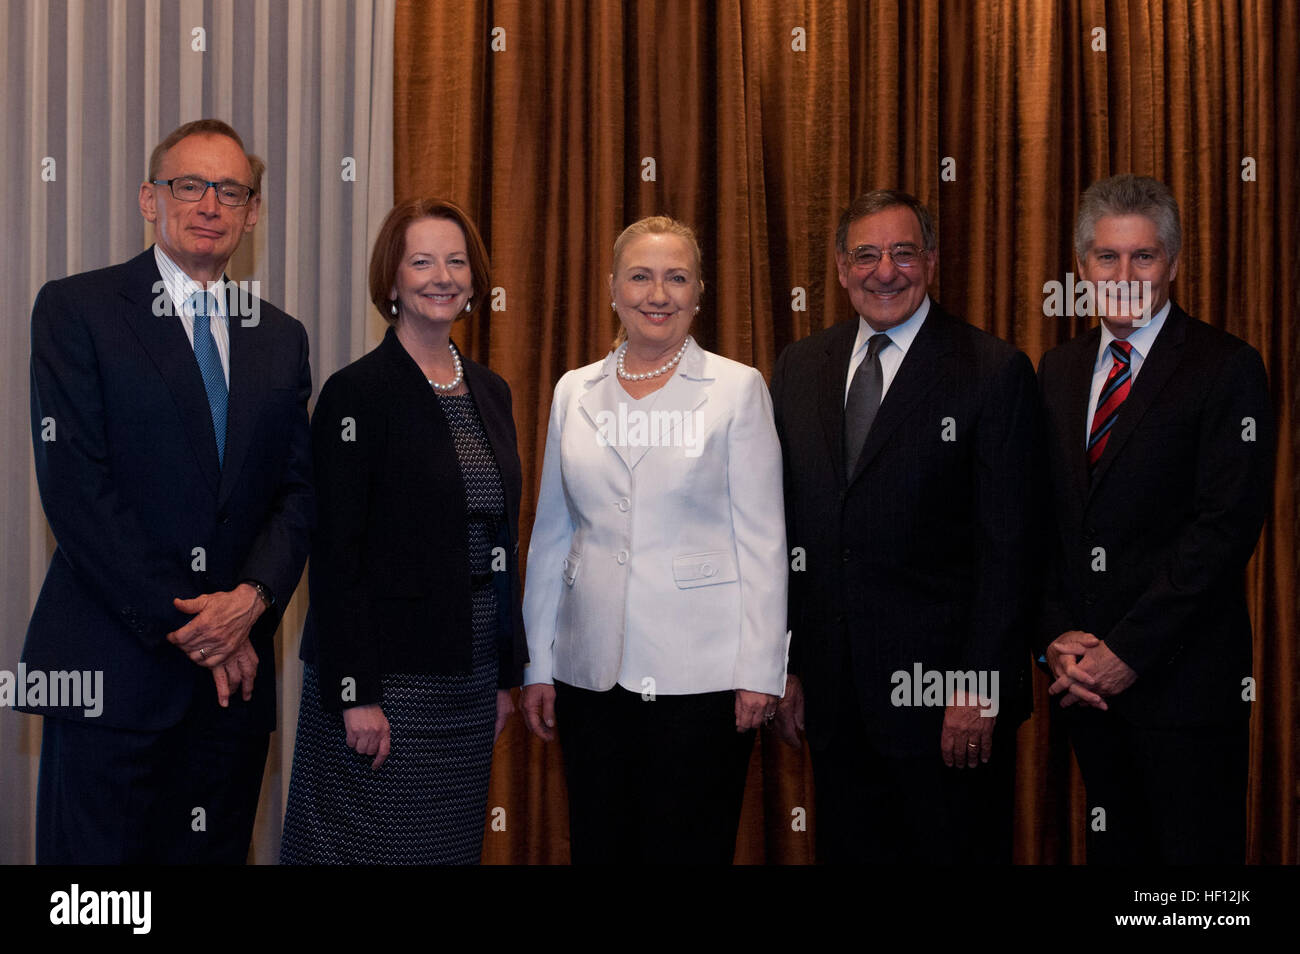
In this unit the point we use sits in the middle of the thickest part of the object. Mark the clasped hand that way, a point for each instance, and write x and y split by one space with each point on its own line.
217 637
1086 670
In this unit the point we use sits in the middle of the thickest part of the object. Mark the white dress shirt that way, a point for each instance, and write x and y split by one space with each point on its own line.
1141 340
891 355
179 288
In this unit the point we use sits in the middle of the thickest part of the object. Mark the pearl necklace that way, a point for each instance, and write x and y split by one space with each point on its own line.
672 363
460 373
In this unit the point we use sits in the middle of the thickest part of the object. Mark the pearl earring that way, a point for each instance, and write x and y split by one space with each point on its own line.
468 305
392 307
613 305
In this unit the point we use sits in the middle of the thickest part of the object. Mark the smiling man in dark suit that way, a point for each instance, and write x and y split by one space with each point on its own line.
909 446
1161 448
169 420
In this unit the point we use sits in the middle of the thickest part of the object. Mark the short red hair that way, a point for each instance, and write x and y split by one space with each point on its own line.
390 249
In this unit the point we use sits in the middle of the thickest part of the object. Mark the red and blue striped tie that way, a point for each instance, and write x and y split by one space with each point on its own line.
1111 398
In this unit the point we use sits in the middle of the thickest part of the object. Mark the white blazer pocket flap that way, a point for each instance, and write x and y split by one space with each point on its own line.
704 569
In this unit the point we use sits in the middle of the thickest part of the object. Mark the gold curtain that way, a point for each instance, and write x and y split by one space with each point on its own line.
558 123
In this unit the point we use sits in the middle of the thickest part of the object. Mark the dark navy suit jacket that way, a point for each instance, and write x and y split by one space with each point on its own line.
926 555
140 508
1175 506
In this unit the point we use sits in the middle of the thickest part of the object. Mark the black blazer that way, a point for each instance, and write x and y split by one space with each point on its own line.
1175 505
389 573
925 556
131 487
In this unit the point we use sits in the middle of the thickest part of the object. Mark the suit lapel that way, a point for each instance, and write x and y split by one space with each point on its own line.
163 337
416 411
919 372
832 377
1159 364
684 392
409 388
599 404
1077 391
248 377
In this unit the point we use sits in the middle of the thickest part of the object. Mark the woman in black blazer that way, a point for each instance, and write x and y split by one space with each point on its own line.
414 637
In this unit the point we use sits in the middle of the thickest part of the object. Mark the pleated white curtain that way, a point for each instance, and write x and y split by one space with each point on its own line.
89 87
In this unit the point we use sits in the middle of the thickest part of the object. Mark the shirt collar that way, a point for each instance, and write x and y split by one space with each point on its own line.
901 335
180 286
1141 339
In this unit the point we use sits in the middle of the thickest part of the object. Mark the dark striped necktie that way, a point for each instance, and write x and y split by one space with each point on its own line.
1110 400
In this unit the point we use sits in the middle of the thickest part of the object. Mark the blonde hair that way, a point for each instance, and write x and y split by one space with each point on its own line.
656 225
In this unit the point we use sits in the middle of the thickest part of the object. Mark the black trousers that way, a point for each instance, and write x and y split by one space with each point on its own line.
657 781
878 808
1161 796
184 795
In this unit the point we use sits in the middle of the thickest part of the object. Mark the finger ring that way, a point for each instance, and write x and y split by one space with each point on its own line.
769 716
972 745
203 654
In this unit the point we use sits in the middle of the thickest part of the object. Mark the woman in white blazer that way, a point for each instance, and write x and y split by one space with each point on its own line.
656 587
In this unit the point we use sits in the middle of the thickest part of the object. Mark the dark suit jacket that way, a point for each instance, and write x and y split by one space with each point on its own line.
1176 503
131 486
389 575
924 556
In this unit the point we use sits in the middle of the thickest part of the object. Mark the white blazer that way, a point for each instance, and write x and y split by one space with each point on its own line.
657 558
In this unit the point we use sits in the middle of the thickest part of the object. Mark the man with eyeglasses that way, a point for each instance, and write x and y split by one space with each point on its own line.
910 452
1160 440
169 422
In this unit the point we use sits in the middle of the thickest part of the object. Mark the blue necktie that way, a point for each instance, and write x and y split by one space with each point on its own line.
214 379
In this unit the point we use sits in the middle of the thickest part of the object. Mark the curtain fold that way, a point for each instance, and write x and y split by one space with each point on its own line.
757 122
90 88
556 124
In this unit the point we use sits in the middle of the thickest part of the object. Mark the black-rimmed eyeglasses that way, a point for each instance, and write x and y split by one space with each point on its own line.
192 189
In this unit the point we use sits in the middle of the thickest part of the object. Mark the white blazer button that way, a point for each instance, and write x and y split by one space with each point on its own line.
624 504
622 556
707 569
